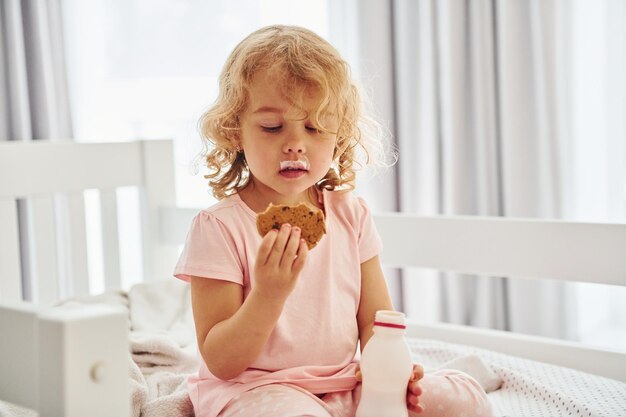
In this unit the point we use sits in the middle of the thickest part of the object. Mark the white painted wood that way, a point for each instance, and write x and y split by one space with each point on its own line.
10 269
44 277
522 248
110 240
78 244
41 167
90 374
18 354
595 360
159 191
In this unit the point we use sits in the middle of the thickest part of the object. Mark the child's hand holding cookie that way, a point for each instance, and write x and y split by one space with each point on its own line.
280 259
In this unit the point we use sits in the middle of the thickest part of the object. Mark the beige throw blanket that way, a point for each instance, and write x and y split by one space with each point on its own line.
163 348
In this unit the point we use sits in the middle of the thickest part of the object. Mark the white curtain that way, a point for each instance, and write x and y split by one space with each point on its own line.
34 99
34 105
476 91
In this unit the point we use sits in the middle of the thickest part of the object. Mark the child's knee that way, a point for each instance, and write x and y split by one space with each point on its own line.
454 394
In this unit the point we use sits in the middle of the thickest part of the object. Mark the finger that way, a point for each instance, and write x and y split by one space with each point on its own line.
419 408
279 245
266 246
358 375
291 248
413 403
415 389
303 251
418 372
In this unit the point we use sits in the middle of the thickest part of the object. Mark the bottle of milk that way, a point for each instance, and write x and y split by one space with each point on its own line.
386 368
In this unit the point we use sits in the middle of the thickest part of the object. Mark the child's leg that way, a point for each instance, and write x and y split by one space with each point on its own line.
452 393
445 393
275 401
344 403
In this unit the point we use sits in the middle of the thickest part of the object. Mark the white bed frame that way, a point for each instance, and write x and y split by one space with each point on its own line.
74 362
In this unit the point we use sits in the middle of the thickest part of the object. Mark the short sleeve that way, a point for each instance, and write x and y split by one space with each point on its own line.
210 251
370 243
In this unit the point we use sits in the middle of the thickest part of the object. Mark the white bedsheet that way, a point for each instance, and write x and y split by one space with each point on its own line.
163 356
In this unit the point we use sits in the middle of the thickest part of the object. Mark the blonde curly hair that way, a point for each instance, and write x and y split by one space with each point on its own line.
303 59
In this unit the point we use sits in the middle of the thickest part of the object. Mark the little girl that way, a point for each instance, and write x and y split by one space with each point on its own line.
278 326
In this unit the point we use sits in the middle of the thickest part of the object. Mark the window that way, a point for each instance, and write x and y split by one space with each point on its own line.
597 191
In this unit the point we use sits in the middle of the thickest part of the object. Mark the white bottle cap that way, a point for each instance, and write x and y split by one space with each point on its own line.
390 318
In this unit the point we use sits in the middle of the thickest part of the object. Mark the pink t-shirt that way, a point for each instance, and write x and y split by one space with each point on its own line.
314 343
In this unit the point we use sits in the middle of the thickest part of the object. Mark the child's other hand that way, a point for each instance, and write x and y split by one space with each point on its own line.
413 389
280 259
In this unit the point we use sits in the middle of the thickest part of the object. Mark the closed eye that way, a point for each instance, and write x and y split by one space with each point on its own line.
312 129
271 128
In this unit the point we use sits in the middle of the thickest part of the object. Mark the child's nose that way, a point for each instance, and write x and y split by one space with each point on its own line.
294 145
295 149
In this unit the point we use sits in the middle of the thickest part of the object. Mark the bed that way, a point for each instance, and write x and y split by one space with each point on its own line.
128 351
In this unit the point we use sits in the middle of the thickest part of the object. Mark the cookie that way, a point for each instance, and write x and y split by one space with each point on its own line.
311 222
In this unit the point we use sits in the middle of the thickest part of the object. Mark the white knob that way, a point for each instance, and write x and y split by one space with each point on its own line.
98 372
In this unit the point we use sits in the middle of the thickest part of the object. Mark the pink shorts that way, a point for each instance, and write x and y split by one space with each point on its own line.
444 393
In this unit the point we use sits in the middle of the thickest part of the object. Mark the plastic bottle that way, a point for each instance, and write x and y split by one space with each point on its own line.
386 367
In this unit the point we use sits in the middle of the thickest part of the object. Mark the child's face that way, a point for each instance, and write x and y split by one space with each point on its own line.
285 152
